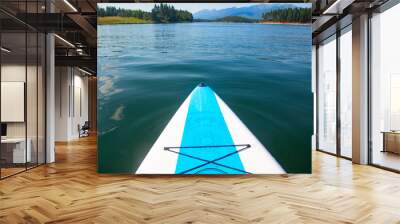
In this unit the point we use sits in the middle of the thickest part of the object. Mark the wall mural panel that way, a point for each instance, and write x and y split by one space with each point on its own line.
192 88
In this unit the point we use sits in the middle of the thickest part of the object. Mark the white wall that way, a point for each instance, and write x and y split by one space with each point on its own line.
33 126
70 84
80 89
62 81
9 73
17 72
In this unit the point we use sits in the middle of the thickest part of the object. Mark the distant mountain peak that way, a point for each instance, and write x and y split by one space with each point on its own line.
251 12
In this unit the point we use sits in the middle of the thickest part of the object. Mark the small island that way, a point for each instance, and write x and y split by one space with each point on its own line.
164 13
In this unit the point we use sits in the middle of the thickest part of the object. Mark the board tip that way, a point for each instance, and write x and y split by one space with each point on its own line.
202 84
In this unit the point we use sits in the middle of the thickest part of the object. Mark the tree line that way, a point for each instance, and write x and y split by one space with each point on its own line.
162 13
112 11
235 19
290 15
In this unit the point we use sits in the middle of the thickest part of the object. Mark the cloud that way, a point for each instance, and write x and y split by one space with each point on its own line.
118 114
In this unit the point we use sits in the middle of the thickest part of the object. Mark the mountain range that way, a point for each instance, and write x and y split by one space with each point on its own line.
251 12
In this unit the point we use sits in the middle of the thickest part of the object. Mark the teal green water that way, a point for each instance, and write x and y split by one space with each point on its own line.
145 71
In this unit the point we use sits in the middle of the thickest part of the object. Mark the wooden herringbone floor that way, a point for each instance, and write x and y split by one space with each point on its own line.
70 191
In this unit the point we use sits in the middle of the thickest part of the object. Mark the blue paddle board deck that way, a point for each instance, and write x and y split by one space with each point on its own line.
206 137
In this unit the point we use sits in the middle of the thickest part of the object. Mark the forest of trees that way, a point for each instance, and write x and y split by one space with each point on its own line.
112 11
162 13
290 15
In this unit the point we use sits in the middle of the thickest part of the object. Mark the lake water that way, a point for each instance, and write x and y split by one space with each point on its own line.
145 71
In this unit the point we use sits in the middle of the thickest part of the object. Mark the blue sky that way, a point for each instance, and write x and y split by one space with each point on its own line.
191 7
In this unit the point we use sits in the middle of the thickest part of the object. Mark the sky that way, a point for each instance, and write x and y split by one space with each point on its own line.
191 7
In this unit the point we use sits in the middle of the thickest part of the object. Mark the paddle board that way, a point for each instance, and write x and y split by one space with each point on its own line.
206 137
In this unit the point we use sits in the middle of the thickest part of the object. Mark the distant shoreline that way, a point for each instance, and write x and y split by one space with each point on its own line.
284 23
117 20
